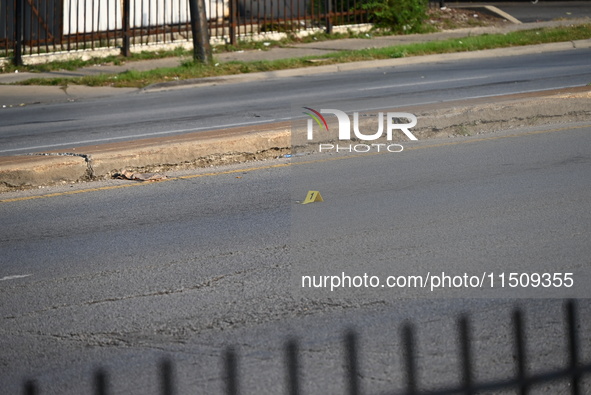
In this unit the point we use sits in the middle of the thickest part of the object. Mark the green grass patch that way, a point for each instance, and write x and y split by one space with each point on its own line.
75 64
189 69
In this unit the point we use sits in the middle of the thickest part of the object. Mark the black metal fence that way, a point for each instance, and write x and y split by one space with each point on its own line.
30 27
523 382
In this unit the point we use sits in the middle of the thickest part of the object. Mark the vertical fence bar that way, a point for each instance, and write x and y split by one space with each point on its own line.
30 388
175 26
92 26
58 20
292 10
108 42
284 14
52 22
149 27
265 15
409 357
328 11
6 40
213 22
165 24
188 26
166 380
141 24
231 372
520 352
320 5
352 363
96 28
466 356
158 26
6 34
85 28
29 24
77 30
69 35
48 25
299 17
29 39
573 347
125 46
100 382
18 33
116 7
293 384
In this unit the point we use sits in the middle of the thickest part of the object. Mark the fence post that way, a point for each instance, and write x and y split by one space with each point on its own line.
466 355
328 10
409 354
352 363
231 372
30 388
201 46
292 368
100 382
573 347
18 33
125 47
520 351
166 379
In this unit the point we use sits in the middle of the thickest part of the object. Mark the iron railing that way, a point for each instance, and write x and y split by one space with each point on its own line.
523 382
33 27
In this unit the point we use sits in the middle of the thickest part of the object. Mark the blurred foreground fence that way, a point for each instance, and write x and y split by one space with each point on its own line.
35 27
523 382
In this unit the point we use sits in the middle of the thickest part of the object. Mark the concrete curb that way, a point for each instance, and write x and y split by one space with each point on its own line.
191 150
31 171
102 161
201 149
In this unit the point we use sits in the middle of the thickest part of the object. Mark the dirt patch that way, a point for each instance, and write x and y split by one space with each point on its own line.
214 160
457 18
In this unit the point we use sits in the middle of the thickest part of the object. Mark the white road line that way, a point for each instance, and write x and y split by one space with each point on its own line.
15 277
133 136
470 98
423 83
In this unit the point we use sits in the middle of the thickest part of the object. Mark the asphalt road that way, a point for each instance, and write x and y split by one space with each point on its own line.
543 10
45 127
120 277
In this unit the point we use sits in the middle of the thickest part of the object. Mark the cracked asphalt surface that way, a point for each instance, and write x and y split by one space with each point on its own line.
122 277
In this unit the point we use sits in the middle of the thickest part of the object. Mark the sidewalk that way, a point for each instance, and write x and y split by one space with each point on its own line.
14 95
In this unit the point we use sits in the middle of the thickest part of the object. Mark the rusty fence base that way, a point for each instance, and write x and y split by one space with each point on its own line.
98 49
37 27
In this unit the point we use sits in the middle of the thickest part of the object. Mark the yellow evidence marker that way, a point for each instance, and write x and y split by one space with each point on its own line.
313 196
